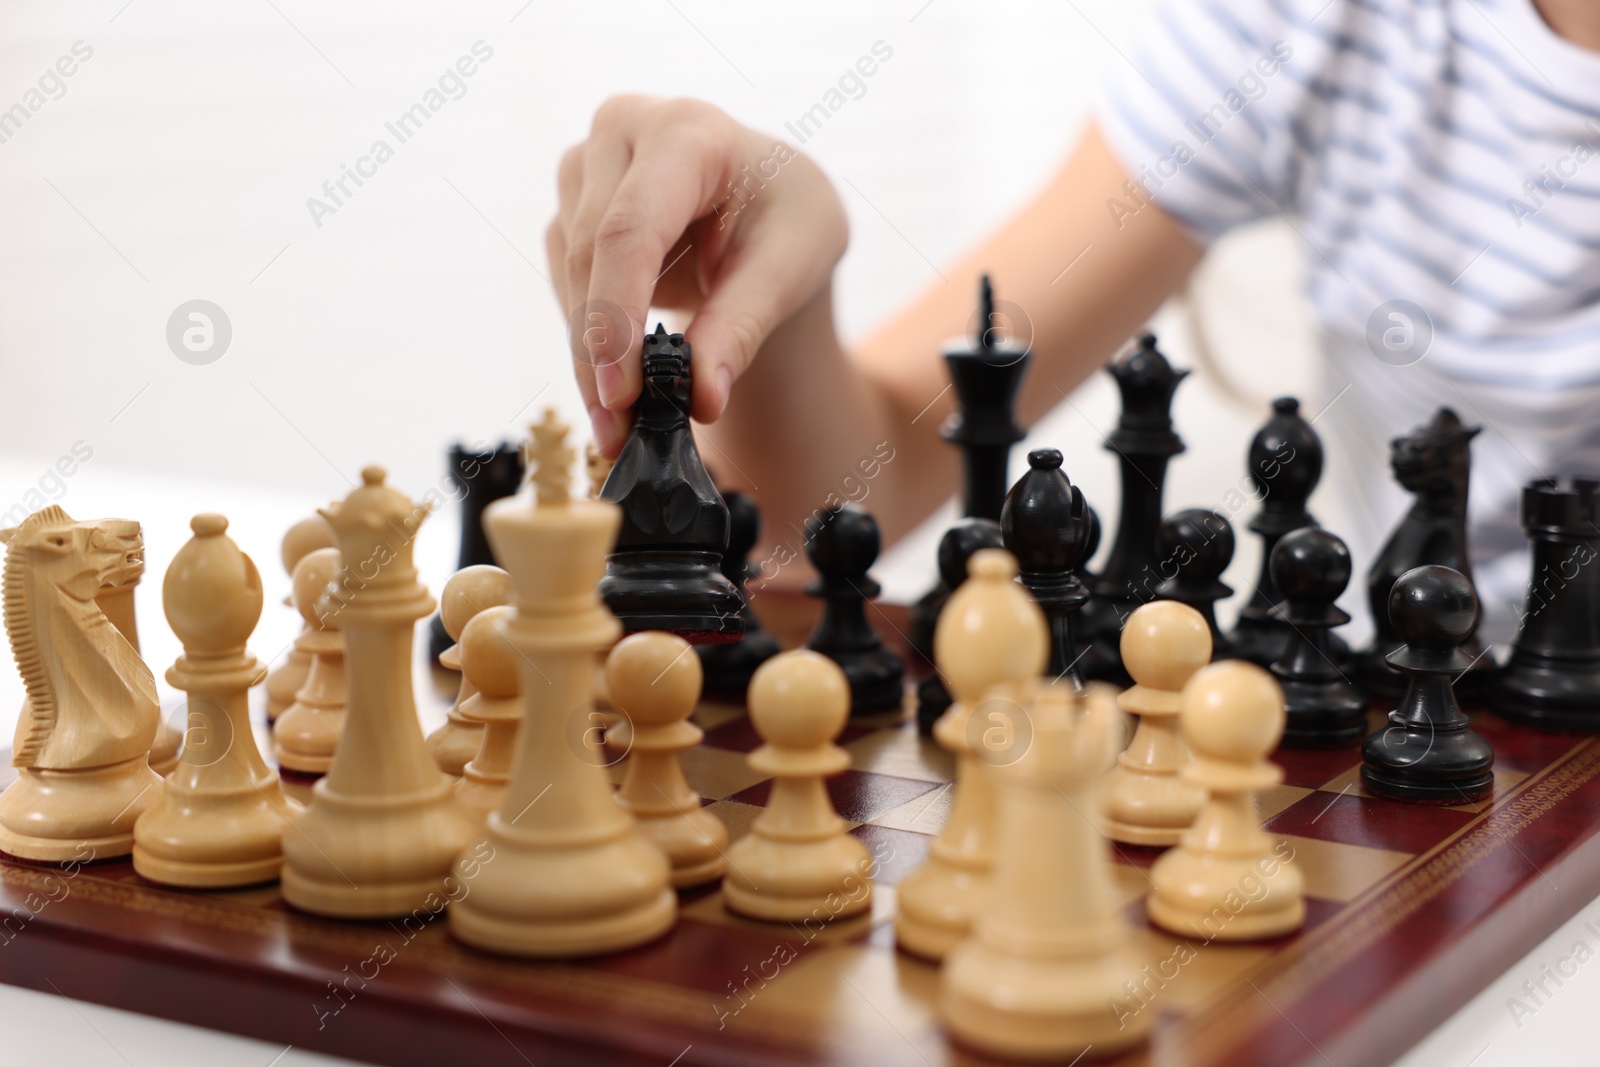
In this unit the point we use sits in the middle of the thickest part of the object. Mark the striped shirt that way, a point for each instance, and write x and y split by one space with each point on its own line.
1440 160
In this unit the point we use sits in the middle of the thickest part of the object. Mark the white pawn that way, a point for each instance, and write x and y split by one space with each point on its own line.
306 735
798 862
489 666
990 632
1228 880
653 679
285 680
467 592
1163 644
1044 967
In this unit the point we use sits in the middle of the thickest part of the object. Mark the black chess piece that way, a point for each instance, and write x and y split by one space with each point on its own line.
727 667
1434 463
1091 544
1311 568
1144 442
664 571
985 377
481 478
1428 753
1552 678
1285 464
843 543
956 548
1194 546
1046 528
1082 623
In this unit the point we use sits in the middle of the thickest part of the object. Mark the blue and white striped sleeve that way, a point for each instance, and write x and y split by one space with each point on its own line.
1200 115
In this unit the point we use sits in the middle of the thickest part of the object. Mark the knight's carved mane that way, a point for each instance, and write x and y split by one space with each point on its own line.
20 629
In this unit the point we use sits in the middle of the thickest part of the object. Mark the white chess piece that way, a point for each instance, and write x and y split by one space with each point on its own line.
383 826
653 679
990 632
489 667
466 592
285 680
798 863
1227 879
571 875
306 736
221 817
1163 644
1045 965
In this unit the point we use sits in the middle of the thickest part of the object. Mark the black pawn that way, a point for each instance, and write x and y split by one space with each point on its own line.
843 544
664 573
1428 753
1195 546
1046 527
481 478
956 548
1285 464
985 377
727 668
1434 463
1144 442
1552 678
1311 568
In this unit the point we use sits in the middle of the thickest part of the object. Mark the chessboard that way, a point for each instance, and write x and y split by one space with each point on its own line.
1411 910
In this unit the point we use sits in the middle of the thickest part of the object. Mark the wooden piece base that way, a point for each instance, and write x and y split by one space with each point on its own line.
52 816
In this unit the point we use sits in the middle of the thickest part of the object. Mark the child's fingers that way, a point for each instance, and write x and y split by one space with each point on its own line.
771 267
668 185
609 427
605 161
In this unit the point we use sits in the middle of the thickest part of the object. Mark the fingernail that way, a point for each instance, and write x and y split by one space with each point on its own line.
724 387
608 381
604 424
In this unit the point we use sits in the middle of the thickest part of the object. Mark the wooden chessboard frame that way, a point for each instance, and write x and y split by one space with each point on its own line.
1413 910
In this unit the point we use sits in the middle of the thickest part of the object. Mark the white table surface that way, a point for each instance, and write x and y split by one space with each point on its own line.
51 1030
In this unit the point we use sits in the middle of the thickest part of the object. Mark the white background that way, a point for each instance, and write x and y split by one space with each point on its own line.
177 166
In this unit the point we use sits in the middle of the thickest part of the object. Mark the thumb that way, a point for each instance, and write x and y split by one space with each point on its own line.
757 289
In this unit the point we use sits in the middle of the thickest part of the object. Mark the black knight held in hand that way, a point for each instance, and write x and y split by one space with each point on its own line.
664 573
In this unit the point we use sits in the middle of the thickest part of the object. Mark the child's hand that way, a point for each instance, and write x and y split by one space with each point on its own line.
672 204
